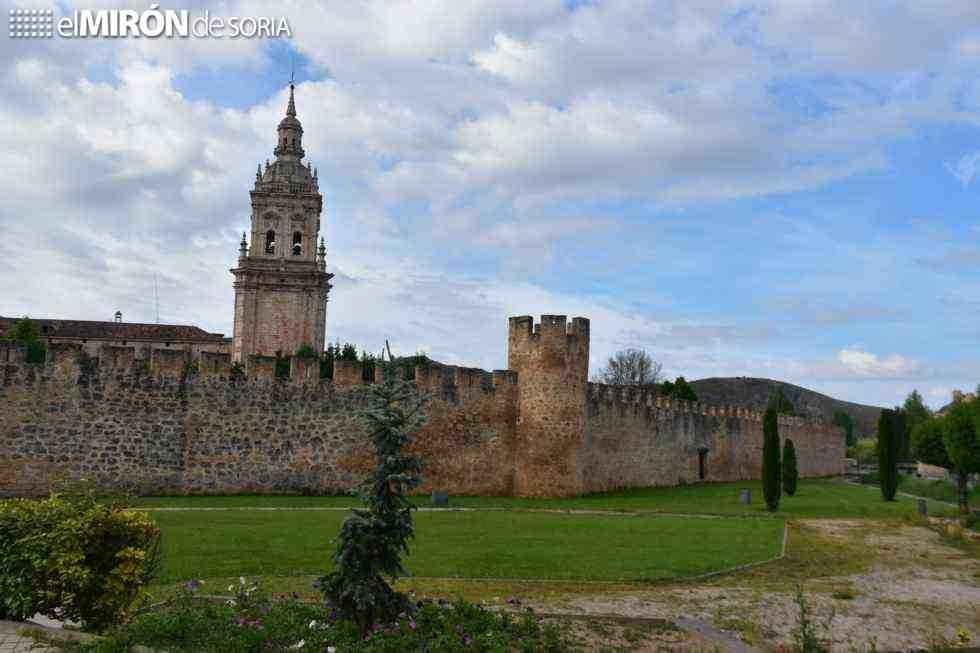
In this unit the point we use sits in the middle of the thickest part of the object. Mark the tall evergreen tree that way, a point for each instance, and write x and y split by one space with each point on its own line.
846 422
790 470
916 411
902 434
770 460
887 454
373 540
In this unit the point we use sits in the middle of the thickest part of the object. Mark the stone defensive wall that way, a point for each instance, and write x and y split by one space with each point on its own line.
164 426
168 424
634 438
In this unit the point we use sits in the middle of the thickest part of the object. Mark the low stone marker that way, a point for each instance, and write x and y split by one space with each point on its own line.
440 499
923 508
745 497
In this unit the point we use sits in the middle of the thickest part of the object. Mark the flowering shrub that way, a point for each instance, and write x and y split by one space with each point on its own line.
253 621
71 557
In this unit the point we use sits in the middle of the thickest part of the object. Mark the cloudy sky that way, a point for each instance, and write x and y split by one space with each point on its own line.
776 188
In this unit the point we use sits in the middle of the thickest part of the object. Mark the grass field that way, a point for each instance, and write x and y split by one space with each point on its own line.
815 498
668 533
484 544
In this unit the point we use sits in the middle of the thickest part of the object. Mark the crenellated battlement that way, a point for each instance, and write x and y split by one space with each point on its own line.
629 396
172 420
552 329
68 362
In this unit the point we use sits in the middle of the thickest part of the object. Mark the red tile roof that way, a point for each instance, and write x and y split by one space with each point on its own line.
90 329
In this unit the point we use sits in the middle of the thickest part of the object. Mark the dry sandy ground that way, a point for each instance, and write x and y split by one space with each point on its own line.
913 591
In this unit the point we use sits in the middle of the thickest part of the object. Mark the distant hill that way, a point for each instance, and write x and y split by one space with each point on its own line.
754 393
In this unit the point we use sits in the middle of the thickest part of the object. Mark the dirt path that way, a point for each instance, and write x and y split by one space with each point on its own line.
868 585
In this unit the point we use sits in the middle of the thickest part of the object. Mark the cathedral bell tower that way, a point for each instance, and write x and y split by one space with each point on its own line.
281 282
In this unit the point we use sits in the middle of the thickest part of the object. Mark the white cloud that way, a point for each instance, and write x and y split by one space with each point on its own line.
866 364
480 116
965 169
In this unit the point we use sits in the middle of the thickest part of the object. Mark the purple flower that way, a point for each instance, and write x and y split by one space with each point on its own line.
467 640
412 624
513 600
192 585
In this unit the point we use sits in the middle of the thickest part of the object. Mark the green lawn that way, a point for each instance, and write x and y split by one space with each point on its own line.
818 498
486 544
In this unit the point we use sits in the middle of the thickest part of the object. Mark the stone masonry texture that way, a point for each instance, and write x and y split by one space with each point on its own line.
176 424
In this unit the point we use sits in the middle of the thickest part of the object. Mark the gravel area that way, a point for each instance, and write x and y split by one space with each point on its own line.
918 593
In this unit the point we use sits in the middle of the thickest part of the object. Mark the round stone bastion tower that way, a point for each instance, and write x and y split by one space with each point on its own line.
552 364
281 282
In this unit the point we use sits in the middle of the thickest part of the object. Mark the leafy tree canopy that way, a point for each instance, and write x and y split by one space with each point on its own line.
927 443
630 367
961 435
26 332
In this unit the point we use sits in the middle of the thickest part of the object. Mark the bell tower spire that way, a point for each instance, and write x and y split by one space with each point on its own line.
291 107
290 147
281 282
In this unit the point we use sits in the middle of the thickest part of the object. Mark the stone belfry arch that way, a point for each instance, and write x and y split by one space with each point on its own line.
281 283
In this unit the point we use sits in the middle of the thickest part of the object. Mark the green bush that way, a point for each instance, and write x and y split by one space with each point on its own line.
870 478
865 451
74 558
251 621
282 367
26 332
306 351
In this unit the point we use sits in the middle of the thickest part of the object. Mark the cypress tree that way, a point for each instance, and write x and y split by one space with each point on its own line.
888 454
770 460
790 471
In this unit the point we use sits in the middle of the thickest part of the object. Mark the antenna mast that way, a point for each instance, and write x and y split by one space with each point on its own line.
156 297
